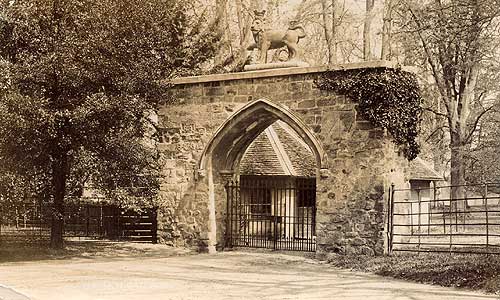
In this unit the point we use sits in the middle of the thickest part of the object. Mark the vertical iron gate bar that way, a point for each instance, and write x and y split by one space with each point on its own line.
234 226
307 207
257 216
285 220
233 211
456 213
241 218
265 216
250 202
155 226
281 215
389 214
466 203
392 194
309 235
487 217
247 223
451 225
305 217
238 216
444 219
429 218
275 218
237 209
411 216
231 215
419 218
282 218
293 216
228 220
254 215
295 224
244 201
87 221
267 220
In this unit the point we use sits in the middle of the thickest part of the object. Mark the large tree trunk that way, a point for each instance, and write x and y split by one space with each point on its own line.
329 27
457 171
459 115
367 54
387 31
222 31
59 177
242 28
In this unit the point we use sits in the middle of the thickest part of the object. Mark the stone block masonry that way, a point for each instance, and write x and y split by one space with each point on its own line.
358 160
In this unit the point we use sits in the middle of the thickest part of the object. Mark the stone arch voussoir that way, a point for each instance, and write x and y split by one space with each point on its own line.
232 138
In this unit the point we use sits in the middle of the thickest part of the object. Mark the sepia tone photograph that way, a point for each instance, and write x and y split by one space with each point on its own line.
249 149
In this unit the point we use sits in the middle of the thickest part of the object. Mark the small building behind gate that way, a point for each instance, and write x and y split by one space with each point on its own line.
276 205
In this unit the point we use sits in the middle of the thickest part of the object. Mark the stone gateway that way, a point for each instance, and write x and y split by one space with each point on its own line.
214 119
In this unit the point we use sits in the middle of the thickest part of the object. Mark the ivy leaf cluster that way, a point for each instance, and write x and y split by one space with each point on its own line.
389 98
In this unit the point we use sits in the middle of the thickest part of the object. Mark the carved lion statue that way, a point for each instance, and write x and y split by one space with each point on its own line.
268 39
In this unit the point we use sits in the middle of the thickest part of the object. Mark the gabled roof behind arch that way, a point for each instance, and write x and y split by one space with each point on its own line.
278 151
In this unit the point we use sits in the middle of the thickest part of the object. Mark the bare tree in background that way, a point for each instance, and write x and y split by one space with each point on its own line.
457 40
221 17
330 28
367 32
386 51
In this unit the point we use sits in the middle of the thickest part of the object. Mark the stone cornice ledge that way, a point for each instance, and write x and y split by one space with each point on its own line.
287 71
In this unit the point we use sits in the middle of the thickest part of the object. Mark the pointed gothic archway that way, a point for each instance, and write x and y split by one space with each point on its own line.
220 158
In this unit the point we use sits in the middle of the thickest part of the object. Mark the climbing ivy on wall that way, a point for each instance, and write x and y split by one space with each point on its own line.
389 98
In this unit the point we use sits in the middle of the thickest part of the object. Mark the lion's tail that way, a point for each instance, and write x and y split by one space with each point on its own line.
301 30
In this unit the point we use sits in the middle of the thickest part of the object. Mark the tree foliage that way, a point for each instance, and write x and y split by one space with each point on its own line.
79 84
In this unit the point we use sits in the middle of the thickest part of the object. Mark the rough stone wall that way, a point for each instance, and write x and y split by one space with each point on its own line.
351 191
184 131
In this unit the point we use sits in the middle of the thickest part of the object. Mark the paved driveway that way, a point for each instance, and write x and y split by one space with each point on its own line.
229 275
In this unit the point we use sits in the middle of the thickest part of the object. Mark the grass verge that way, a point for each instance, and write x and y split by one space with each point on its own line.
475 272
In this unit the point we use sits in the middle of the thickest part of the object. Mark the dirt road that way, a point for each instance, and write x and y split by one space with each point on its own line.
228 275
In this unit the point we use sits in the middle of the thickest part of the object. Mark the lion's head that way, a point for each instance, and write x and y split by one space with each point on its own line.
258 22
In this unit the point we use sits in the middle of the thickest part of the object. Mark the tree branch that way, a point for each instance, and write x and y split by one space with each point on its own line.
435 112
429 55
434 132
476 121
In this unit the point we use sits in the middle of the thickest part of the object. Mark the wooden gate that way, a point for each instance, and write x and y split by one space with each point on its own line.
276 212
30 221
139 226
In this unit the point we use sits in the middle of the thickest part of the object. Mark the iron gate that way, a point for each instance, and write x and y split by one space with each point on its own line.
275 212
431 220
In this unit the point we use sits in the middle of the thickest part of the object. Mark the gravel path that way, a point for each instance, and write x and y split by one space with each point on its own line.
228 275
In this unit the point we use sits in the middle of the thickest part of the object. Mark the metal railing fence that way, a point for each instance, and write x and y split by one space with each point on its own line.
432 220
